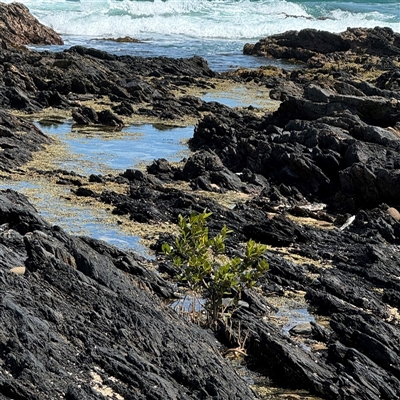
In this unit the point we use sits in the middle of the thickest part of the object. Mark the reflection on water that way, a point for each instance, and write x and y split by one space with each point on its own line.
239 96
73 218
99 152
294 316
189 304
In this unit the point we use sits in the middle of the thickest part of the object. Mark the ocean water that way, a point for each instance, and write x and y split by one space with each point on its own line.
213 29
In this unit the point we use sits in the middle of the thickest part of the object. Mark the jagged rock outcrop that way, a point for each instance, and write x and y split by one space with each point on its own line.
326 150
335 137
32 81
80 318
356 290
19 139
87 319
307 43
18 27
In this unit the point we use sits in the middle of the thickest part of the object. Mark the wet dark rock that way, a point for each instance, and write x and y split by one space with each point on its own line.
139 91
380 41
390 81
48 98
378 221
201 163
19 139
85 116
301 330
303 45
207 172
284 89
391 297
362 338
319 103
339 149
298 45
124 108
88 116
38 80
84 192
86 311
17 99
333 140
278 231
320 333
96 178
108 118
149 201
381 348
164 170
125 39
364 186
68 181
272 347
358 371
140 178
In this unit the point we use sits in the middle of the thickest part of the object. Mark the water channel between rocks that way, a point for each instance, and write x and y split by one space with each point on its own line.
102 152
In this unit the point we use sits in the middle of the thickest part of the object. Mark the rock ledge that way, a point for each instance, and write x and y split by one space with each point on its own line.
18 27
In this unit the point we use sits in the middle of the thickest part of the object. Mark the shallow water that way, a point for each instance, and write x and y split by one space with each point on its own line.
240 96
188 304
79 220
99 152
294 316
102 152
228 57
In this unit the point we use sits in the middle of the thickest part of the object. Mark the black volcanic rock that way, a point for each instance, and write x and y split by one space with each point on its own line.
85 318
18 140
32 81
334 148
307 43
79 317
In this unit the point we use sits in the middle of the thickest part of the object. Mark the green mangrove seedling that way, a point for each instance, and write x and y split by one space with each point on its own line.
207 270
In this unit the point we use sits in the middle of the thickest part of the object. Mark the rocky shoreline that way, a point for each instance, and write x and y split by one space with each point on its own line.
320 177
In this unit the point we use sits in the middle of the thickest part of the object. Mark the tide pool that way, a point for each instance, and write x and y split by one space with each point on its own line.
76 219
102 152
98 152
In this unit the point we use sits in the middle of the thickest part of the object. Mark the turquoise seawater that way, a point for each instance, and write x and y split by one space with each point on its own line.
214 29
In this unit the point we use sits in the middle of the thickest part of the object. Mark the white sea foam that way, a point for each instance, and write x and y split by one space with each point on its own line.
213 29
216 19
